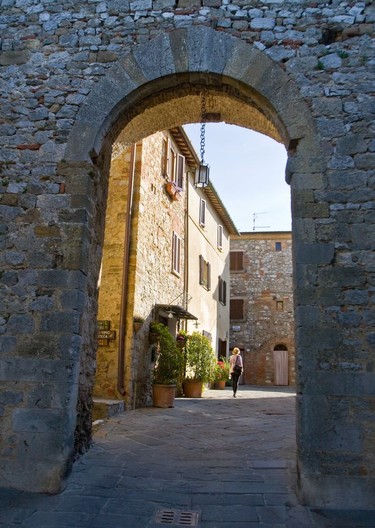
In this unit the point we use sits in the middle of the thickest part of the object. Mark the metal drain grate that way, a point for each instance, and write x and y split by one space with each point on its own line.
177 517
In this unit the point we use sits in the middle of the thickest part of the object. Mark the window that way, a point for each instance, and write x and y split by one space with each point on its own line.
172 160
180 171
236 310
222 291
173 164
204 273
236 260
220 236
277 246
202 213
176 254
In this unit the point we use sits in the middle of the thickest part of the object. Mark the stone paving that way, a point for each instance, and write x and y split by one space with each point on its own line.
214 462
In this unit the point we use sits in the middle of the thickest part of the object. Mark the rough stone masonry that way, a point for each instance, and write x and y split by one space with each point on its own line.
75 75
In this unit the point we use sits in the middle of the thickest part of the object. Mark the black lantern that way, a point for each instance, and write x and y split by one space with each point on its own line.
202 174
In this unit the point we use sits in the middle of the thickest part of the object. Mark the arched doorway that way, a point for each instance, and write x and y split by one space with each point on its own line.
157 87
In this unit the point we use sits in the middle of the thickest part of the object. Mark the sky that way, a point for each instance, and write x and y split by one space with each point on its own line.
247 170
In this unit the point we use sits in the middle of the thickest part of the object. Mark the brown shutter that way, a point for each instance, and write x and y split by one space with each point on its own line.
236 260
201 269
236 309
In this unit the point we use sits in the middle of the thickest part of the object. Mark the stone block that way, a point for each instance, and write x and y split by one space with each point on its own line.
154 63
67 321
73 299
104 408
314 253
308 181
179 48
342 277
8 58
20 324
38 420
11 397
208 50
52 278
308 314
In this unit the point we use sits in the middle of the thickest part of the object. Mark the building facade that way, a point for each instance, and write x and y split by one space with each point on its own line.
209 230
261 315
165 258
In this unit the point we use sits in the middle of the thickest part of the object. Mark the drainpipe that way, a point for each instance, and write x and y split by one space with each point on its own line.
125 273
186 251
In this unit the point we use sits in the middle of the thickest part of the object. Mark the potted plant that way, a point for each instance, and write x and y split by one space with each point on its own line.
137 322
221 373
167 366
181 338
200 363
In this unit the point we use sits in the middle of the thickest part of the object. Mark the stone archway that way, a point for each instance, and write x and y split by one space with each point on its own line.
158 86
335 468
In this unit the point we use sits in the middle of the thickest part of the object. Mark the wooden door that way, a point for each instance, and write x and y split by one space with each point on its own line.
280 367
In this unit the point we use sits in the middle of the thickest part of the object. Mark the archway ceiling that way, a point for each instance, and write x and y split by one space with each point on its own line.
220 107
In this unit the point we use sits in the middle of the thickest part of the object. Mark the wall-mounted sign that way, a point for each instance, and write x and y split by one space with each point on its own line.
104 333
107 334
236 328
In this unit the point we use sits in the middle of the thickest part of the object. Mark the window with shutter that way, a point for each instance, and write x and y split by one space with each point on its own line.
222 291
176 253
204 273
180 171
236 309
172 161
202 212
236 260
220 236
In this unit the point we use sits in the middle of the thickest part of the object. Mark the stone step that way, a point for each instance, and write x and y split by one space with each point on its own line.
104 408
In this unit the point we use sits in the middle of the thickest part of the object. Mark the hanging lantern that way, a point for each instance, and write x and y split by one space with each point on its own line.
202 174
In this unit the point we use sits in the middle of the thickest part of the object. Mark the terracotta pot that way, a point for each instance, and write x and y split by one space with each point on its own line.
220 384
193 388
163 395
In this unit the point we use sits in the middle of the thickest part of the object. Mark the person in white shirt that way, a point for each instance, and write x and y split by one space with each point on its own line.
235 368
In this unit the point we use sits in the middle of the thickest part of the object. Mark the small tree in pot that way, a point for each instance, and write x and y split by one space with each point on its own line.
200 364
167 367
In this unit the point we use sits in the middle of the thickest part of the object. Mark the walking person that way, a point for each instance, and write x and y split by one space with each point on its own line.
235 370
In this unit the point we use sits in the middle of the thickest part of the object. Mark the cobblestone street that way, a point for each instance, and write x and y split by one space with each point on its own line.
215 462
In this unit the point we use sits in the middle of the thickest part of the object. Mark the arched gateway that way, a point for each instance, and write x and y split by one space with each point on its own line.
335 395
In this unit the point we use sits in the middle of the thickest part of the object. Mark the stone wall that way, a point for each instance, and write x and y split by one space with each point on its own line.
148 278
265 285
76 75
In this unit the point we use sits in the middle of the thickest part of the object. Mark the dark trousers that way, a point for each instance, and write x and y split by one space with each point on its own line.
235 378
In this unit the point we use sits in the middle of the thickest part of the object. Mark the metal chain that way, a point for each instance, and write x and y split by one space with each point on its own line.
203 125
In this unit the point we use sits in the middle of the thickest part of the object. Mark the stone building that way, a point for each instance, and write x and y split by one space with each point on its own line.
76 77
162 260
261 318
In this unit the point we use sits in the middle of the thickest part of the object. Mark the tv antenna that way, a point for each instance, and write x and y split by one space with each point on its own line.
255 216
